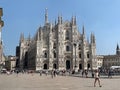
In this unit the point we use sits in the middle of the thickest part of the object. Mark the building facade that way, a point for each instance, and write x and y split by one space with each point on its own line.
100 61
2 58
57 45
112 60
10 63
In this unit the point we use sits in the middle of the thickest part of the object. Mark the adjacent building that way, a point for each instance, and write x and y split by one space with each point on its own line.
112 60
10 63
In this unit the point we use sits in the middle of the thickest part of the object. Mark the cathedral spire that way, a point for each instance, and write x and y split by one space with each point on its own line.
38 37
46 16
93 38
83 32
75 20
72 20
117 47
21 37
117 50
59 19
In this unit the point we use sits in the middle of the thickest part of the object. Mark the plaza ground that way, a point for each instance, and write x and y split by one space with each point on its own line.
37 82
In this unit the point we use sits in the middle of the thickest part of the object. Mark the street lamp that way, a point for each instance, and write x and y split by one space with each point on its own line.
75 55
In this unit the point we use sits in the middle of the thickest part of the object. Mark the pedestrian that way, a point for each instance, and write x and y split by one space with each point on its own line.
86 73
97 78
109 74
52 72
92 74
40 72
82 73
17 72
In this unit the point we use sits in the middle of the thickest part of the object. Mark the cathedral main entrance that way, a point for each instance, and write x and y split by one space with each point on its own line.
80 66
67 64
45 66
88 66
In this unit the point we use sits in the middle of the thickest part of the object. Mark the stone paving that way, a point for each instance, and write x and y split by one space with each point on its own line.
36 82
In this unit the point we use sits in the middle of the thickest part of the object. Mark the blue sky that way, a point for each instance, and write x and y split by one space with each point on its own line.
102 17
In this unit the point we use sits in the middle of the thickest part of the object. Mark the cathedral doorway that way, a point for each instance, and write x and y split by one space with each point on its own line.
80 66
88 66
67 64
45 66
54 66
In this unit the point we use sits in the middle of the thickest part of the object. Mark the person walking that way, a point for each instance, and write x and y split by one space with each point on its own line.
52 73
40 72
109 74
97 78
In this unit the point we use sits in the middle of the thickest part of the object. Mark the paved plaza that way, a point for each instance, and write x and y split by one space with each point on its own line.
36 82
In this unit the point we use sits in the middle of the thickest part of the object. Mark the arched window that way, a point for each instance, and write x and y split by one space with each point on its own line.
80 55
67 35
88 55
45 55
54 54
67 48
79 47
54 46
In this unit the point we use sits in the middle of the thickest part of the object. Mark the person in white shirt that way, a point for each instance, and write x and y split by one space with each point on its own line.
97 78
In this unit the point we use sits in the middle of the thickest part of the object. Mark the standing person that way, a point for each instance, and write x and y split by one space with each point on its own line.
40 72
52 72
97 78
82 73
46 72
92 74
86 73
109 74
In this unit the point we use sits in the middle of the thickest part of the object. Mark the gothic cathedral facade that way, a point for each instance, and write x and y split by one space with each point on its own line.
57 46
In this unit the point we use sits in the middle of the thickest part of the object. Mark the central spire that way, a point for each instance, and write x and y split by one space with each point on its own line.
46 15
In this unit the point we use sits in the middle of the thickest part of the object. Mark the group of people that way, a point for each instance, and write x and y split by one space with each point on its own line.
54 73
95 74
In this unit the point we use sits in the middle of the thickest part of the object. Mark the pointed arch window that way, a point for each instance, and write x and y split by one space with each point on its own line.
67 48
79 46
67 35
80 56
54 46
45 55
54 53
88 55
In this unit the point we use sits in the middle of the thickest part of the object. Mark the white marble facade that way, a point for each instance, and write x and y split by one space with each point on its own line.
58 45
